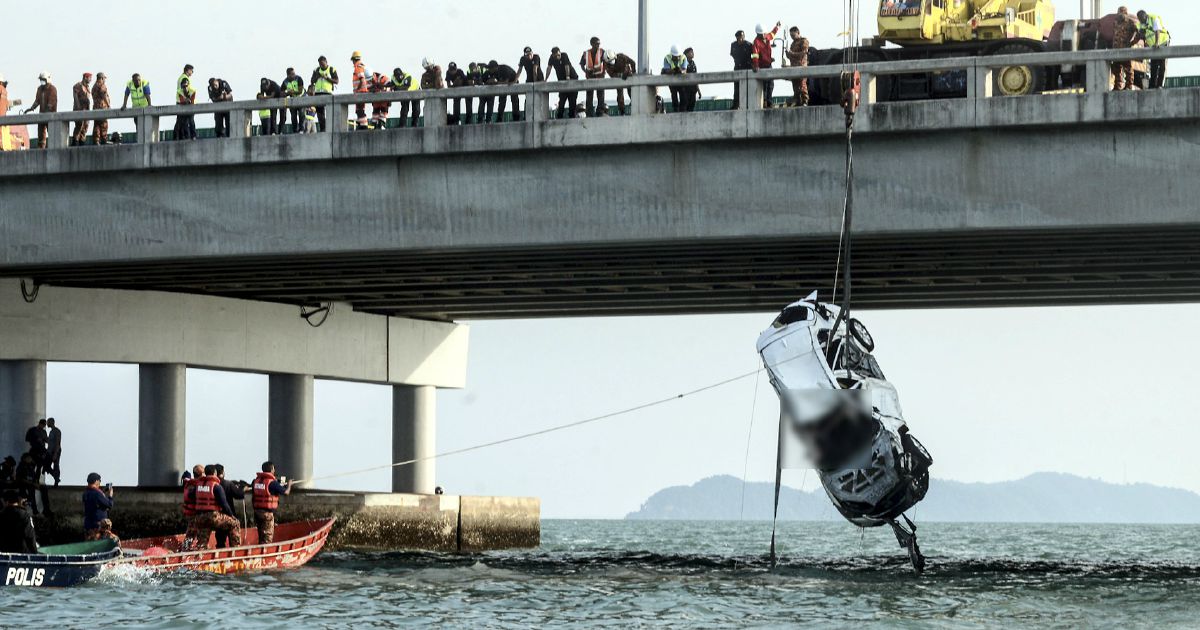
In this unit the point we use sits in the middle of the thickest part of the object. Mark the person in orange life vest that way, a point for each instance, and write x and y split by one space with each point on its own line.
379 111
361 80
592 64
191 535
267 490
212 508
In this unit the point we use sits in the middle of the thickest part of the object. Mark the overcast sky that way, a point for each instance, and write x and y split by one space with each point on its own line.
994 394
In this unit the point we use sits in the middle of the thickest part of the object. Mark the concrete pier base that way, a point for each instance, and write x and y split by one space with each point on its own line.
162 394
414 435
22 403
290 424
366 521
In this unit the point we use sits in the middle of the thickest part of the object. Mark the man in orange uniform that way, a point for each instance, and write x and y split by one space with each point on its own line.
761 57
267 491
362 85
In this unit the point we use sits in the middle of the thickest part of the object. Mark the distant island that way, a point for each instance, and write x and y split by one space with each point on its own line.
1038 498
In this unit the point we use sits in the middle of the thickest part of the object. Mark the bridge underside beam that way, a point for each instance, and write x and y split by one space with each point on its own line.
949 269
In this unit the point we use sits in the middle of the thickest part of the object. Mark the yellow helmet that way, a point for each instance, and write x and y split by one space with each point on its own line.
356 54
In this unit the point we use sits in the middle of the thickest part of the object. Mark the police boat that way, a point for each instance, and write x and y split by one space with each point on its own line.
58 565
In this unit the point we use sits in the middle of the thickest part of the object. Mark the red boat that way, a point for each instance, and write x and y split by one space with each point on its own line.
294 545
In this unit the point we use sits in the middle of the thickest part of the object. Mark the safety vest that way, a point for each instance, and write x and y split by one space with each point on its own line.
184 97
179 81
205 498
362 78
595 61
137 95
292 87
405 84
310 114
263 499
324 82
1162 38
670 62
189 498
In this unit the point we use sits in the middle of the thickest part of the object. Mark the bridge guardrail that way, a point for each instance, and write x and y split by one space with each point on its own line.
642 89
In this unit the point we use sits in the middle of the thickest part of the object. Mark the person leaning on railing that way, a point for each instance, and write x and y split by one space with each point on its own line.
137 94
46 100
1124 32
185 124
219 91
1153 32
563 71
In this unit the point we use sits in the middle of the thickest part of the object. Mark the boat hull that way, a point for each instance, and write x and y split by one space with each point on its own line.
296 544
43 570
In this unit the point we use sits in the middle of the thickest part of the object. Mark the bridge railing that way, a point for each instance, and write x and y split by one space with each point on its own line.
642 91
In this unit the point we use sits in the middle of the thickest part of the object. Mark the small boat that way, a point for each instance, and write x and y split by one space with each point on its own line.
294 545
58 565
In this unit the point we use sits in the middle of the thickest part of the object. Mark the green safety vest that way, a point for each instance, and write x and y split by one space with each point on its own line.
1162 38
179 81
310 114
188 93
137 95
324 83
405 84
292 87
674 63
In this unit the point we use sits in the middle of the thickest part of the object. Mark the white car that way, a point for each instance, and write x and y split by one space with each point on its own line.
840 416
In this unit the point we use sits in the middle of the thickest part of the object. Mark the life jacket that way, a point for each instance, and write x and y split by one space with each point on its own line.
594 61
263 499
189 498
379 82
362 78
205 497
137 95
324 82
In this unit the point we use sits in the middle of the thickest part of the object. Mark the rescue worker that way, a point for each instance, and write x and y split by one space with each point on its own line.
502 74
234 491
797 54
100 101
477 75
762 58
187 74
293 87
531 66
593 66
271 118
379 109
456 78
97 502
564 70
324 81
81 94
1153 32
137 94
219 91
674 64
431 79
45 100
54 443
192 534
1125 31
690 93
212 509
17 534
619 66
185 124
266 491
742 52
361 82
404 82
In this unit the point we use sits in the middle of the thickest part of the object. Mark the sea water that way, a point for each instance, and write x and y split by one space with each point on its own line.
683 574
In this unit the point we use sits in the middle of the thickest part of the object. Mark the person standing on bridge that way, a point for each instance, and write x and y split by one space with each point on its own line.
619 66
361 82
46 100
404 82
185 124
1153 31
324 81
293 87
763 60
456 78
81 96
100 101
1124 32
503 74
674 64
797 54
477 75
564 70
137 94
219 91
431 79
266 492
742 52
592 64
270 117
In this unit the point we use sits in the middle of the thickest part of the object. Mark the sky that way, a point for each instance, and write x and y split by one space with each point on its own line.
994 394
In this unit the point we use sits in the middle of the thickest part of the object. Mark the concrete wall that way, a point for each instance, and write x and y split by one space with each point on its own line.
368 521
70 324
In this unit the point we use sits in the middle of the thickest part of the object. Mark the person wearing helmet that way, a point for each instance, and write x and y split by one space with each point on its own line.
674 64
46 100
761 57
431 79
620 66
81 96
503 74
362 84
593 66
564 70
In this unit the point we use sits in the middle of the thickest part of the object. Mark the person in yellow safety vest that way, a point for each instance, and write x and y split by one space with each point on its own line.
187 74
310 113
137 93
1153 31
379 110
185 124
404 82
675 64
324 81
293 86
362 85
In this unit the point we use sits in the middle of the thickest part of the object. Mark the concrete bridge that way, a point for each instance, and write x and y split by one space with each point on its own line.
199 253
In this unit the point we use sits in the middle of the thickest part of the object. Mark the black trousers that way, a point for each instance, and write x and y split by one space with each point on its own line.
416 112
321 112
486 106
601 108
1158 73
458 107
516 109
221 124
266 125
297 114
687 97
568 99
677 98
768 93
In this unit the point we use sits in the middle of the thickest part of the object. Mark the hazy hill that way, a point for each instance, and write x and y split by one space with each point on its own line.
1038 498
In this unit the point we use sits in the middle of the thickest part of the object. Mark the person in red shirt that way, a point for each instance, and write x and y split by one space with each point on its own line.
761 57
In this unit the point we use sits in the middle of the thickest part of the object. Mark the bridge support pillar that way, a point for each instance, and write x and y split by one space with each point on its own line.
750 92
290 424
162 394
22 402
414 435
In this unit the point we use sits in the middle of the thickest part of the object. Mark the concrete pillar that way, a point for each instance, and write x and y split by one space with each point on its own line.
414 435
162 393
290 424
435 112
751 91
22 403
